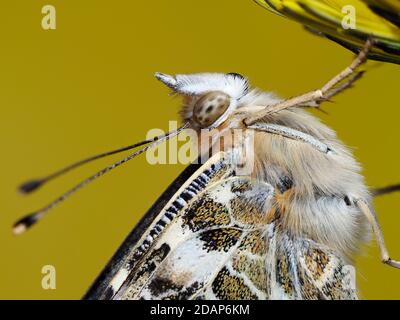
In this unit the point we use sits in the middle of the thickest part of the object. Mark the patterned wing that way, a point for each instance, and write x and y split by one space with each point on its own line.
300 268
219 237
215 247
143 247
378 19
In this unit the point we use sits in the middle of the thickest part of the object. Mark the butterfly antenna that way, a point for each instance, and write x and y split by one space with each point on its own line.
26 222
385 190
33 185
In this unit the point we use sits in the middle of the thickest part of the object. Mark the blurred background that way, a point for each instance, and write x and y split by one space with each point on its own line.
88 86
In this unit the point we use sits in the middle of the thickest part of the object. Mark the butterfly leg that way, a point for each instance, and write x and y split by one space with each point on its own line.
314 97
335 90
340 88
293 134
372 219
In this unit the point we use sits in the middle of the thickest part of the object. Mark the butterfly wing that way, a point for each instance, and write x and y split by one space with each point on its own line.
379 20
178 251
299 268
200 248
139 245
387 9
101 288
219 237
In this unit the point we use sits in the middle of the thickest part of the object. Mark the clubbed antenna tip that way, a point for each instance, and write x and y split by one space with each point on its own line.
25 223
30 186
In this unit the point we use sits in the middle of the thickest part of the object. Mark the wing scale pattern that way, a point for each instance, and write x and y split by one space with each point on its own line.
219 237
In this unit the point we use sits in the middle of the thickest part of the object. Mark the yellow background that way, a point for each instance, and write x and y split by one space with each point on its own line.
88 86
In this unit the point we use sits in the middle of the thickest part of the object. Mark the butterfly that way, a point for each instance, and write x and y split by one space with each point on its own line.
348 23
275 212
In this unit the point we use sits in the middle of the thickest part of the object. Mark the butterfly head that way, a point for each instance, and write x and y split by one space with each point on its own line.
209 97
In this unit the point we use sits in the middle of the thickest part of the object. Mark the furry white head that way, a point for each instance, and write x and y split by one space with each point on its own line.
211 97
232 84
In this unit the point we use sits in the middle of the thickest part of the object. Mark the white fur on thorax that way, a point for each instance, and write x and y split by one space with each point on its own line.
321 181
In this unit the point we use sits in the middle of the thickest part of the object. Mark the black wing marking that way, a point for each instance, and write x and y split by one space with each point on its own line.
99 286
135 247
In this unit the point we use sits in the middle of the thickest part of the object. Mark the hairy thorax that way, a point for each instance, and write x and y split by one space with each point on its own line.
314 191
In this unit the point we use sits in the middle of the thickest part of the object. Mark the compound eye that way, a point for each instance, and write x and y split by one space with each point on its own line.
210 107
